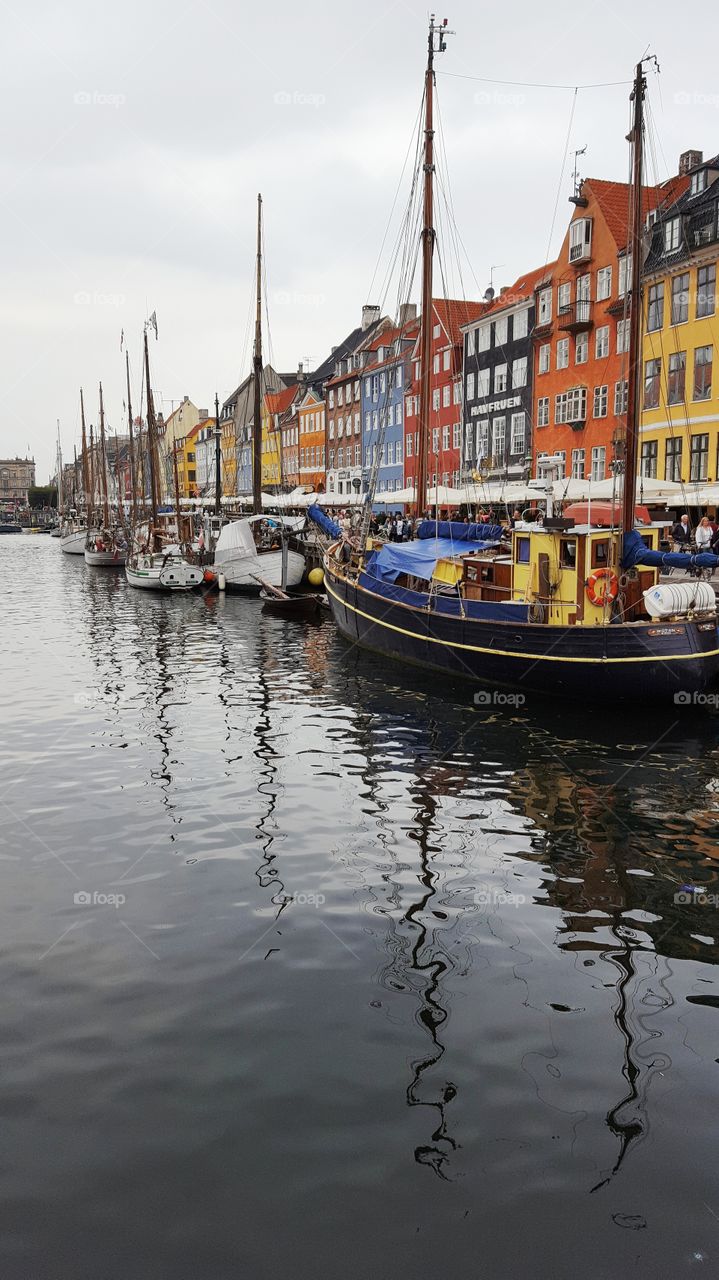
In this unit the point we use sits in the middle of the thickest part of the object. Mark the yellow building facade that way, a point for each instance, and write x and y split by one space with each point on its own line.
679 423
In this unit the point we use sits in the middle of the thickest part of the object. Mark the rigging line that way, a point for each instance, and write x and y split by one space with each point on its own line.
411 215
413 135
530 84
561 177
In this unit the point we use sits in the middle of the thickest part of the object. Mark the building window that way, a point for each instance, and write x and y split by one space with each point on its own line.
332 458
563 353
445 360
599 462
482 438
599 409
604 284
621 393
435 440
408 445
580 239
677 377
673 462
408 408
650 452
544 357
581 348
699 458
331 398
519 372
564 297
446 396
706 290
436 331
698 182
601 342
680 298
500 378
672 232
520 324
457 393
703 373
456 435
482 383
577 464
484 333
435 398
445 438
655 309
499 432
545 306
652 375
543 411
571 406
500 331
622 336
435 364
398 376
517 437
625 274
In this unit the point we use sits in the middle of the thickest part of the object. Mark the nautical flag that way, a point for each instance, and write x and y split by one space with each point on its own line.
153 322
122 338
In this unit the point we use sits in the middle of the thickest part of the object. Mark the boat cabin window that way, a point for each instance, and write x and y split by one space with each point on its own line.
600 554
522 550
568 553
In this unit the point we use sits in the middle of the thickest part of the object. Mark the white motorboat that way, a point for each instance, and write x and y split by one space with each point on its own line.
242 560
73 533
163 571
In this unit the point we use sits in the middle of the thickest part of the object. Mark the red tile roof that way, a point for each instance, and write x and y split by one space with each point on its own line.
453 313
521 290
613 200
278 401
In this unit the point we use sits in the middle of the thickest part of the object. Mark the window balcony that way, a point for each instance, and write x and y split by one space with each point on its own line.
576 317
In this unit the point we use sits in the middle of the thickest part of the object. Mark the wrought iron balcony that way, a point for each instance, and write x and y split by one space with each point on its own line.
577 316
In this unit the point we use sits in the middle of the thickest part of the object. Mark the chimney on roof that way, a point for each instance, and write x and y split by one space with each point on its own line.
504 289
407 313
489 294
300 374
370 316
689 160
185 399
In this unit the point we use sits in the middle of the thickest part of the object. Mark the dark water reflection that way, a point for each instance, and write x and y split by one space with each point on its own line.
398 986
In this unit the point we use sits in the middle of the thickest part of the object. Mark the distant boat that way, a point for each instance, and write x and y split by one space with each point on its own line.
9 527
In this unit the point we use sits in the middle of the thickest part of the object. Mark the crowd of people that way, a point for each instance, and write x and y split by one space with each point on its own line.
705 537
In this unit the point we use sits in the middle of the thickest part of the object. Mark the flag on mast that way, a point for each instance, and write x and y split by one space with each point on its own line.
153 322
122 338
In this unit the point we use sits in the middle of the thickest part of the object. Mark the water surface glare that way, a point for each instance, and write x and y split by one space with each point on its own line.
310 967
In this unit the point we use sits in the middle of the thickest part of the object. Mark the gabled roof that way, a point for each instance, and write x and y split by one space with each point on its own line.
521 291
351 343
613 201
698 226
278 401
452 313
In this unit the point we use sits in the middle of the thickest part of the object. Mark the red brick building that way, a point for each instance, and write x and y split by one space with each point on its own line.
445 411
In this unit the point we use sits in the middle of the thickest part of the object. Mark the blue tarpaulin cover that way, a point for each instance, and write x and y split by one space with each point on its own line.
459 532
325 522
635 552
417 558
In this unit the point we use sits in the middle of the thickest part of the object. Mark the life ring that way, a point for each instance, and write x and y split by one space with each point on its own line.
607 591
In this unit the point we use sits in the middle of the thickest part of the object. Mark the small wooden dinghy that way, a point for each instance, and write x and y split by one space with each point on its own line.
276 601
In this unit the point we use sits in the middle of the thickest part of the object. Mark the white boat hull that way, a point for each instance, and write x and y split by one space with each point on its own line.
73 544
108 559
175 575
238 571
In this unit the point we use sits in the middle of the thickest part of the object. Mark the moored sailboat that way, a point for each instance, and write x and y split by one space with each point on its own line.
105 543
553 607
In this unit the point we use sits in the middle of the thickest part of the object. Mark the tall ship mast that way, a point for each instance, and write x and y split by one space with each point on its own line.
548 607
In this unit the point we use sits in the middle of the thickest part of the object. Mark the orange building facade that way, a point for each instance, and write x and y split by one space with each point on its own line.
311 433
581 334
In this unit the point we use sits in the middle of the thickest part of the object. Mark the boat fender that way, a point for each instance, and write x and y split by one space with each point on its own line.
221 582
602 585
208 576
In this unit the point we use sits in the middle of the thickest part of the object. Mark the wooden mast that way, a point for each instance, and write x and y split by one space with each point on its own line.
92 472
85 469
635 315
428 240
257 376
151 444
103 464
132 440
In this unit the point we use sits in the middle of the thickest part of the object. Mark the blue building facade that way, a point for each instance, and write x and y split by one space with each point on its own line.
382 398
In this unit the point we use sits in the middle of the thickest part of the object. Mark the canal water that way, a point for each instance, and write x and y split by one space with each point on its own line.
311 967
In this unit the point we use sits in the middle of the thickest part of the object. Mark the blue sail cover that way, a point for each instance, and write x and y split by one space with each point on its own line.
325 522
635 552
417 558
460 532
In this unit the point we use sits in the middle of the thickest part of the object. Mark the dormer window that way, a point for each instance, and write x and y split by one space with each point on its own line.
672 234
580 239
380 355
698 182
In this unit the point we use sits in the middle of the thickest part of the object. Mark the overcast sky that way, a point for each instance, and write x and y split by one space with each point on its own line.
136 137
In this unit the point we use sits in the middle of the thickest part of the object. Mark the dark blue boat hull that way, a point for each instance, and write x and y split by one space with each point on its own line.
639 661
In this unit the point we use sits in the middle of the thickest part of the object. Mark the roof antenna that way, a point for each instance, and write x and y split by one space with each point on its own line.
577 197
489 293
